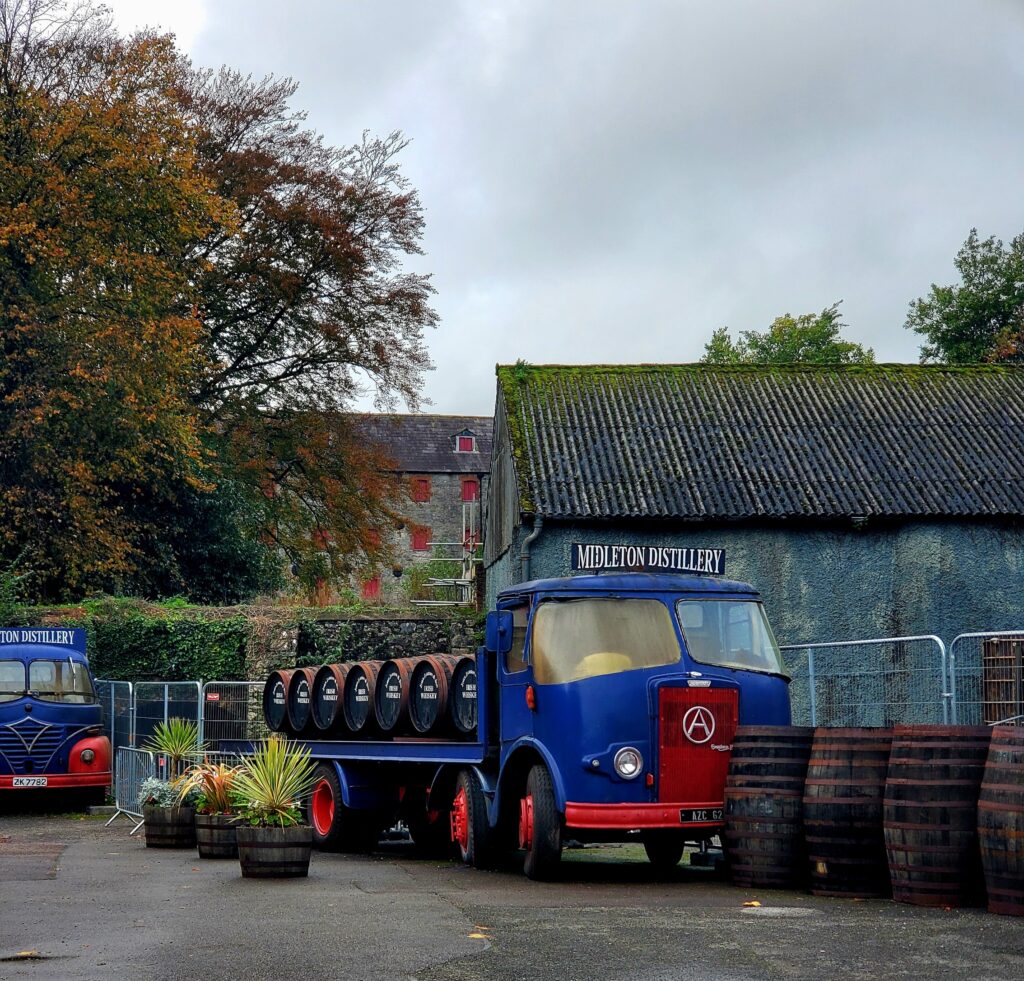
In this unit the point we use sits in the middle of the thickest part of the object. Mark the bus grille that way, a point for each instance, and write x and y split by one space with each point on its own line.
695 732
31 742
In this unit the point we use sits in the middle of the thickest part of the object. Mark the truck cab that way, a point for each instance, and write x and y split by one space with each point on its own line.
50 718
619 696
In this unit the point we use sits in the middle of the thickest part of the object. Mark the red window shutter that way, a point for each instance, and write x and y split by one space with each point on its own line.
466 444
421 539
470 489
421 489
371 589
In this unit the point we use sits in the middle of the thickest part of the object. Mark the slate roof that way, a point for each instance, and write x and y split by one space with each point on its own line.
423 443
731 443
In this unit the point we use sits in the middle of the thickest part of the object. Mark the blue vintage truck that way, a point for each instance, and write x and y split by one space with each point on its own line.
606 706
50 721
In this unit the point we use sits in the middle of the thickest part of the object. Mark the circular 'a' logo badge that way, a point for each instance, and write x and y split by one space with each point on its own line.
698 724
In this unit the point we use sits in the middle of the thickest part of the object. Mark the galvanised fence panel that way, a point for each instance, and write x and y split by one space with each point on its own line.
232 710
116 700
987 670
158 701
878 682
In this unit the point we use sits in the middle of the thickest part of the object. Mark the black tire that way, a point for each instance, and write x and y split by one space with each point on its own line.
544 851
343 829
431 831
664 849
478 845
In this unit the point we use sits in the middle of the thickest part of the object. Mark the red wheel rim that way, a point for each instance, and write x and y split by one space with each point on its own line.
526 822
460 820
322 808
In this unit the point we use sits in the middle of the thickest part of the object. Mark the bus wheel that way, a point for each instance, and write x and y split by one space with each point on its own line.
337 828
664 849
540 826
475 839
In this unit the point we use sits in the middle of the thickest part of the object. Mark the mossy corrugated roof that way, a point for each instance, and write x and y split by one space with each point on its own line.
696 441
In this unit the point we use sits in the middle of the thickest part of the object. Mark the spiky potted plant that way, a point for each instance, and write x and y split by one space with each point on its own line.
273 840
170 821
216 813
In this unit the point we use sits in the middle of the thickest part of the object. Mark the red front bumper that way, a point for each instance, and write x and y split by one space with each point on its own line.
627 817
59 781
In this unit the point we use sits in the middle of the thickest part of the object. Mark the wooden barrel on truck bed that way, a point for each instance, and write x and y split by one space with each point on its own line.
843 797
429 688
275 701
763 833
328 696
1001 821
931 814
300 699
357 707
391 697
462 706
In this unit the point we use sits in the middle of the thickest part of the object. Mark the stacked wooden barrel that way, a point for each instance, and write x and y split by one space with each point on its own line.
931 814
843 798
1001 821
763 834
429 696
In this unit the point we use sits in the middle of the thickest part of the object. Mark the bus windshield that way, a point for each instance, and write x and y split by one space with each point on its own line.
12 680
729 634
584 638
60 681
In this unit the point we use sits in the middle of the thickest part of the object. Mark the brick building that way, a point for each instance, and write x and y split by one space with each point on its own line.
445 461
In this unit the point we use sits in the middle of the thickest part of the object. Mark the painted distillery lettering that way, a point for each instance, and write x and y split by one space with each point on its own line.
649 558
38 635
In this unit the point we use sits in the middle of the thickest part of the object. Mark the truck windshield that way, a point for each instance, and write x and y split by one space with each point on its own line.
12 680
584 638
60 681
730 634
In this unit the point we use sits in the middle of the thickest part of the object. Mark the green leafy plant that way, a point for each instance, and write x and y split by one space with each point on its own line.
178 741
161 793
212 784
271 783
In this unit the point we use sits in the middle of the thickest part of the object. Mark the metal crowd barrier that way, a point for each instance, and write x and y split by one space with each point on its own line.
876 682
131 767
987 673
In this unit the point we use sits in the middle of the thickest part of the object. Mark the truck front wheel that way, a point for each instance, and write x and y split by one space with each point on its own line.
664 848
540 826
337 828
475 839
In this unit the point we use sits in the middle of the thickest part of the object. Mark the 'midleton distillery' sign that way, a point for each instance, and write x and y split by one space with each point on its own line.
647 558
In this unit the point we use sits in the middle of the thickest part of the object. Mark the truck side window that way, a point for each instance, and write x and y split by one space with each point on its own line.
515 659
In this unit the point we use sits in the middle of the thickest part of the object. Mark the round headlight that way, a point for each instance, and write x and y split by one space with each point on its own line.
628 763
88 756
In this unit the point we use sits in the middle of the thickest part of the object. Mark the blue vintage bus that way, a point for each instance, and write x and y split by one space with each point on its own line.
50 721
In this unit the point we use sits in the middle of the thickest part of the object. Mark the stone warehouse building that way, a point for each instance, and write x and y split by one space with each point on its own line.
863 501
444 462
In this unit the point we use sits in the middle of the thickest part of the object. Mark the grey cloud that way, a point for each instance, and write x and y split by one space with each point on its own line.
611 181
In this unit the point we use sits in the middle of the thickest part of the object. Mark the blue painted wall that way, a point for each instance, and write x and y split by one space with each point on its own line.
827 584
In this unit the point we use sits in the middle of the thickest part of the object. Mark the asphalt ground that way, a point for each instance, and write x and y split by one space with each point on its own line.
81 901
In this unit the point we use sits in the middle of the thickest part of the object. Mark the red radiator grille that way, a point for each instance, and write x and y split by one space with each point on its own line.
695 732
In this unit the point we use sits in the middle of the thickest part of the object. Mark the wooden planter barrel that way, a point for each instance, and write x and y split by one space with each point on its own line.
274 853
462 696
275 700
300 700
391 696
931 814
429 688
357 707
763 833
843 796
215 836
1001 821
328 697
170 827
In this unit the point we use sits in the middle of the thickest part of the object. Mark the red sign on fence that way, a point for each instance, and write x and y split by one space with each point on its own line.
213 696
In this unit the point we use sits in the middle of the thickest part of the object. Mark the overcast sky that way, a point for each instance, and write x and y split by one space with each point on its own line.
610 182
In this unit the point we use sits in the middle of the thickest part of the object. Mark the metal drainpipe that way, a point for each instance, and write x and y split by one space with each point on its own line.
524 555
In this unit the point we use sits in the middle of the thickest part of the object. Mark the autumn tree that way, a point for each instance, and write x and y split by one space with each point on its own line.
981 318
101 202
809 338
